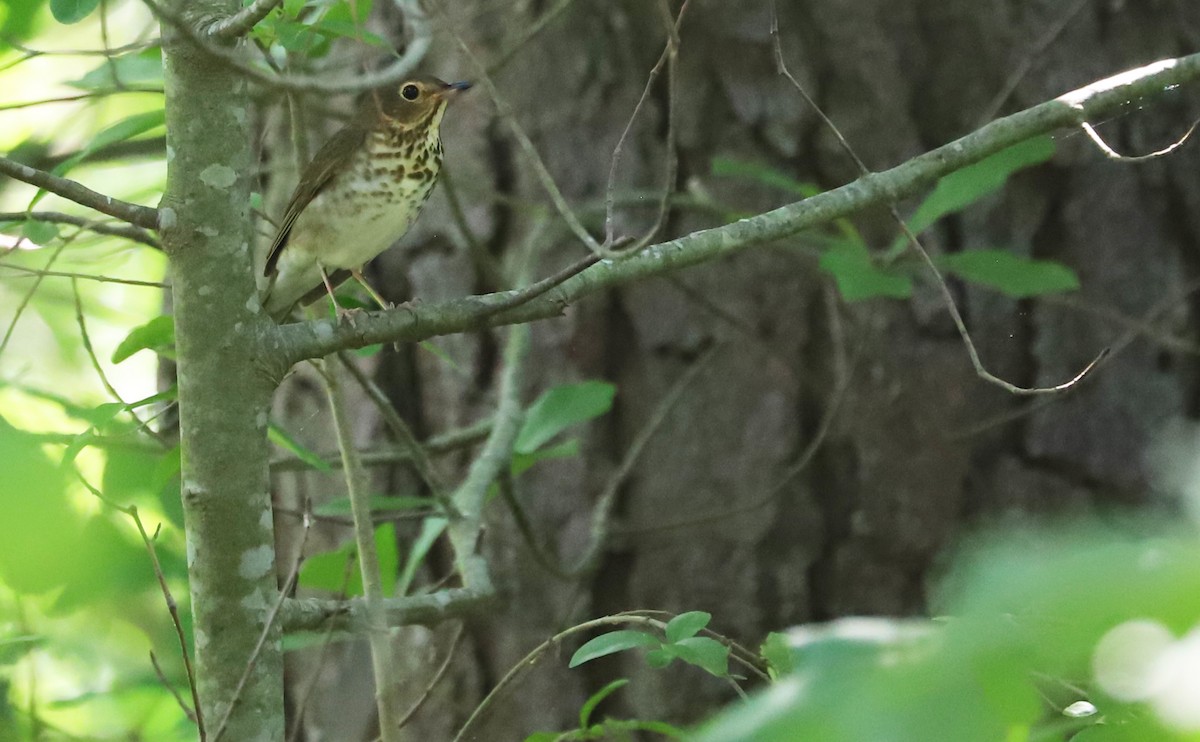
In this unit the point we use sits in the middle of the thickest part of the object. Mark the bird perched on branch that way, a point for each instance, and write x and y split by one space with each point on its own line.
360 194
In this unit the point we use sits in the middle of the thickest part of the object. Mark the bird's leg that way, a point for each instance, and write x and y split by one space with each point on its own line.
337 308
358 276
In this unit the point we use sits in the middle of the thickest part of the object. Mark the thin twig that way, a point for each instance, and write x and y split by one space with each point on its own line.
162 679
288 344
627 618
1039 45
1112 154
172 606
28 297
136 214
844 374
670 58
528 35
86 340
535 160
32 272
77 98
437 676
134 234
326 642
602 510
980 370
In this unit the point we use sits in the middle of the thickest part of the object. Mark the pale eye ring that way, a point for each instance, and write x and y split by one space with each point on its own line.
410 92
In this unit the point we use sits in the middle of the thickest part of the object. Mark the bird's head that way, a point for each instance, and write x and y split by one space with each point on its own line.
416 102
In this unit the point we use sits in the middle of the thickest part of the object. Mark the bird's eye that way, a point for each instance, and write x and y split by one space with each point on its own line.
410 92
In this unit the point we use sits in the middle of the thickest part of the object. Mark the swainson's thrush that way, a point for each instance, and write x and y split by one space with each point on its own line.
360 194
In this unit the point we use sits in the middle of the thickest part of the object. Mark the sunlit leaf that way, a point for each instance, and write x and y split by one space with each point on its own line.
777 654
610 643
560 408
1011 275
140 69
122 130
157 335
40 530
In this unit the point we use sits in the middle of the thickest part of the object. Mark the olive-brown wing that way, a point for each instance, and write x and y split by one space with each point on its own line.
334 157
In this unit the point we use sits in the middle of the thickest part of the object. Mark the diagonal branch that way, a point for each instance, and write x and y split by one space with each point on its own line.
242 21
135 214
285 345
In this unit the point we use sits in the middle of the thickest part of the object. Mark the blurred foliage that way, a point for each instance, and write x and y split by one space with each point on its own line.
1046 634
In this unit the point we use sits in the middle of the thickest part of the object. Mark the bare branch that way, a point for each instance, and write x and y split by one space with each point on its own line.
133 234
135 214
242 21
282 346
669 57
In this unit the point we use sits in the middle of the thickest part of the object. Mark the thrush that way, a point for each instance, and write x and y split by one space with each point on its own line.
362 191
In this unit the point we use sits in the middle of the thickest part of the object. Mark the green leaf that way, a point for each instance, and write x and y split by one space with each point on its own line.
141 69
72 11
39 233
585 711
610 643
158 335
777 654
686 625
565 450
729 168
281 438
1012 275
703 652
124 129
857 276
431 529
560 408
961 188
659 658
328 571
